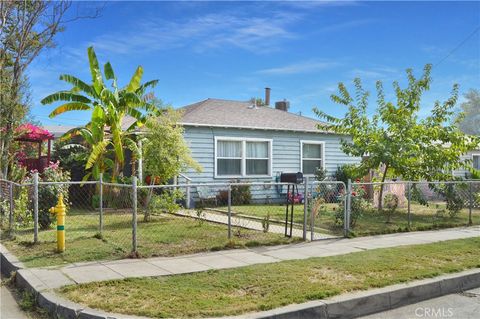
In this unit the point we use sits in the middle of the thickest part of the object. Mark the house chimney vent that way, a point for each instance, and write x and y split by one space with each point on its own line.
282 105
267 96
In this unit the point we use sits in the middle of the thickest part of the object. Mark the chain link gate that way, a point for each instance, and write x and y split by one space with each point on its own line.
326 210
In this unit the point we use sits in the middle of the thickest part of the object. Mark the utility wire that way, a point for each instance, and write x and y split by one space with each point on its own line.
458 46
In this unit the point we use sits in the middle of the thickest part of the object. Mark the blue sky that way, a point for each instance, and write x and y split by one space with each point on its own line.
232 50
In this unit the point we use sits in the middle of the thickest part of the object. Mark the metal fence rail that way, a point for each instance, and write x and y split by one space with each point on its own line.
164 220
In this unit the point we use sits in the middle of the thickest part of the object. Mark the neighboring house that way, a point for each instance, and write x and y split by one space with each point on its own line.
58 130
235 140
474 157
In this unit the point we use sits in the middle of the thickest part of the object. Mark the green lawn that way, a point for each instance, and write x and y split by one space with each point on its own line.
370 223
164 235
268 286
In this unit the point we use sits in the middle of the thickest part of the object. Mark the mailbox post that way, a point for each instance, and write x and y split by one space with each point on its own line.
293 179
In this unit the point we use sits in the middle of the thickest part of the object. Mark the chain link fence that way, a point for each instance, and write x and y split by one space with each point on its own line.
108 220
327 210
409 206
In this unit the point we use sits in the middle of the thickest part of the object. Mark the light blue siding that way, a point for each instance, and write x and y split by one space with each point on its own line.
285 149
464 172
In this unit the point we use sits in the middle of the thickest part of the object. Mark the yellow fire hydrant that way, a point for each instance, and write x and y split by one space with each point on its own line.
60 211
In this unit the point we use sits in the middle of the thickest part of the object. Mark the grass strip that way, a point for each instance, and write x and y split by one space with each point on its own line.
164 235
267 286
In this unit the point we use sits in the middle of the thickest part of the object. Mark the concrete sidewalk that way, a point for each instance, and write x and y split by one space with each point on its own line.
49 278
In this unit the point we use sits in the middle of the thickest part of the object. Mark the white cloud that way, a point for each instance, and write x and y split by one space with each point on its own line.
376 73
256 34
301 67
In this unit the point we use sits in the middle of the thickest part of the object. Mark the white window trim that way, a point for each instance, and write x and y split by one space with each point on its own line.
475 154
322 159
244 158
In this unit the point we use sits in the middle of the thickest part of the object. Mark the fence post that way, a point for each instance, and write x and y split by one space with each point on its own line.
229 211
348 208
100 204
187 204
35 207
10 216
409 198
305 208
134 215
470 196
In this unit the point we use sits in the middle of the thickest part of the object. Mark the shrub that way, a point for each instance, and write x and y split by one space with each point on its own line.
320 174
48 194
222 198
390 205
359 206
167 201
22 213
454 200
346 172
241 195
452 196
417 195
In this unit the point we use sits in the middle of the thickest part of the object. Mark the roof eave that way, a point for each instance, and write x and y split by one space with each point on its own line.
253 128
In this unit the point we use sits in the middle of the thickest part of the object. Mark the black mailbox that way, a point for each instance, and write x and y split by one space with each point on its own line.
295 178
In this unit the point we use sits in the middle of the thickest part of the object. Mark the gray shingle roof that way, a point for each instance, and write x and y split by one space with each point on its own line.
226 113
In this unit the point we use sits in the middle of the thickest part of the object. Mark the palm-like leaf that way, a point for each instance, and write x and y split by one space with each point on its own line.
73 106
97 151
98 123
97 78
135 80
108 70
65 96
143 87
76 82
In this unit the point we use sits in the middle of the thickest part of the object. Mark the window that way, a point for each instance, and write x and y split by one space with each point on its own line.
242 157
311 156
229 157
476 161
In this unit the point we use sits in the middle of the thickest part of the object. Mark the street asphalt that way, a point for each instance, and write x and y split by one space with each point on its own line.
455 306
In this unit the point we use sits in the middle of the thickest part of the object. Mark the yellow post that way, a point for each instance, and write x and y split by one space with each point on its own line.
60 211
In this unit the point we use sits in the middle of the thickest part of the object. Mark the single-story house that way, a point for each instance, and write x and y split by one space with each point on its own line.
237 140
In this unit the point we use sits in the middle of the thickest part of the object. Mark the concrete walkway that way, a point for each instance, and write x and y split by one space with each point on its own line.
248 223
49 278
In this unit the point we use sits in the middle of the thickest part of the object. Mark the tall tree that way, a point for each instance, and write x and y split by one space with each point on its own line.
469 121
395 138
108 108
27 27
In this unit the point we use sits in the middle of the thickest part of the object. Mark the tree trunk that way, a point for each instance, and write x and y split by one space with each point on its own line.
380 195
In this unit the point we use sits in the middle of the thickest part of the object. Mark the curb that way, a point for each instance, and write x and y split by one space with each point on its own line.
364 303
8 262
346 306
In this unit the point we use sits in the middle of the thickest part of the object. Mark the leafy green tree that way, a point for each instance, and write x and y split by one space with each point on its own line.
469 121
108 110
395 138
165 152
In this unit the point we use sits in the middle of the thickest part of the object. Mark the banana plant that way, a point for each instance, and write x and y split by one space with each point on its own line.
108 109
